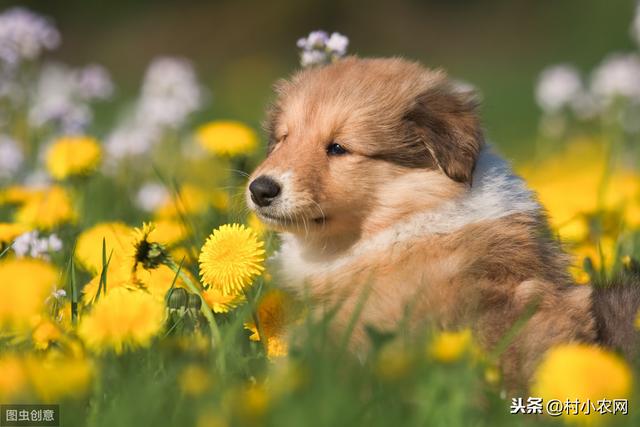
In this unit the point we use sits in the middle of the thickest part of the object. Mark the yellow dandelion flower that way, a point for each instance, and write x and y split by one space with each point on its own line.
71 156
194 380
227 138
118 238
583 372
190 200
394 362
255 224
14 379
274 314
221 303
230 258
169 232
158 281
449 347
211 418
602 255
47 209
24 285
9 232
44 334
220 200
16 194
56 378
147 252
119 275
122 319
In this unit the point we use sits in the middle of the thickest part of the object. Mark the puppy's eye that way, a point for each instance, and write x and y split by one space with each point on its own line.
335 149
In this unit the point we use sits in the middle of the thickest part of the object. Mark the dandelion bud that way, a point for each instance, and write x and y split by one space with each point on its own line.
178 298
194 302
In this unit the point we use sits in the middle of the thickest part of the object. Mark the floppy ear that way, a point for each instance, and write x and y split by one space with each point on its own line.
445 121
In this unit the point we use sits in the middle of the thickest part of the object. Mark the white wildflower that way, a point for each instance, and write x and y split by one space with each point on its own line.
558 86
312 57
170 93
617 76
62 96
30 244
151 196
130 139
338 44
24 35
94 82
11 157
320 48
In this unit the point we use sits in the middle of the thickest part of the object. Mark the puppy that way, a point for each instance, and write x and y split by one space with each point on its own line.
387 197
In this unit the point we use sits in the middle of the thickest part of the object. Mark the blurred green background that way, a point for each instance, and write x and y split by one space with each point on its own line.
240 47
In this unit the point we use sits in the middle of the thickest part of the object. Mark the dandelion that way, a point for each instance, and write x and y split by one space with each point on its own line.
119 275
394 362
449 347
194 380
169 232
46 209
118 239
227 138
25 284
274 315
73 156
189 200
122 319
220 302
9 232
57 377
44 334
558 86
14 379
583 372
148 253
230 258
24 35
11 157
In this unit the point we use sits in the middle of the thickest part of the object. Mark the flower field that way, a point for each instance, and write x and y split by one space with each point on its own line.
135 286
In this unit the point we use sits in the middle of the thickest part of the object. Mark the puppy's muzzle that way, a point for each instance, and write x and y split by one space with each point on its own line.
264 190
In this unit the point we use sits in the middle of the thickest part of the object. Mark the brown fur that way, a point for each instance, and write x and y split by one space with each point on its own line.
412 143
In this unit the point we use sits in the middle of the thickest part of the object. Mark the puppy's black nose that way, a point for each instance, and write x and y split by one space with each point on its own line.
263 190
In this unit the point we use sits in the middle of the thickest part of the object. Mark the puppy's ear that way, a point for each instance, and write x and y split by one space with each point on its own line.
444 119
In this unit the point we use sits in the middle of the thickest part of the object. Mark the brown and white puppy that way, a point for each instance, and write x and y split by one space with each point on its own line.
378 178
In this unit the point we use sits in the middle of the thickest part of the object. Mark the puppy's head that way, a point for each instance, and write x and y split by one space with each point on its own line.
361 142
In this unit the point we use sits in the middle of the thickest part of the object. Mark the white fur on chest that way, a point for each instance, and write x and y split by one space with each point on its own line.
496 193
